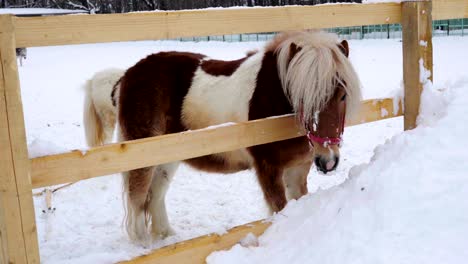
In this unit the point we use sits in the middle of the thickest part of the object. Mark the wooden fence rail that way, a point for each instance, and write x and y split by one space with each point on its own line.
196 250
79 29
18 174
79 165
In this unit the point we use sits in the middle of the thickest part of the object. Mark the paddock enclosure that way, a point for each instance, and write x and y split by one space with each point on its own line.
19 174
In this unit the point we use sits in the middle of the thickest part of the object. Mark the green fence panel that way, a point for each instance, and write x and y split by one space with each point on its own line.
452 27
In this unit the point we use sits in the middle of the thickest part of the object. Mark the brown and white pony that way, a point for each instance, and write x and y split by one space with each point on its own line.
307 73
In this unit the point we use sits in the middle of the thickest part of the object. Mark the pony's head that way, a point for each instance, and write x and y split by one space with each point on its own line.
322 87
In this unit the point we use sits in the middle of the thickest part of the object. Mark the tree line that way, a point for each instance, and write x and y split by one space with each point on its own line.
123 6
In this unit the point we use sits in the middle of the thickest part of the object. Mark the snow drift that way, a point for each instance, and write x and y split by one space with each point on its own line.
407 205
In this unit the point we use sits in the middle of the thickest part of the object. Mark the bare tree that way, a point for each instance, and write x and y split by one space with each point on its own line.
122 6
86 5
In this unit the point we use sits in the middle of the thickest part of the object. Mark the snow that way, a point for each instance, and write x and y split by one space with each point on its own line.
250 240
218 126
380 1
413 183
407 205
383 112
397 96
39 147
38 11
424 74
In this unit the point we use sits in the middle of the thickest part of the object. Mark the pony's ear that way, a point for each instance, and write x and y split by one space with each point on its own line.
344 47
293 50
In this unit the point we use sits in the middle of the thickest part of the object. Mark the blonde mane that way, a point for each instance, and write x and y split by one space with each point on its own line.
310 77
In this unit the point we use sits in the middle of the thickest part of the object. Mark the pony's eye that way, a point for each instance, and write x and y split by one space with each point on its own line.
343 98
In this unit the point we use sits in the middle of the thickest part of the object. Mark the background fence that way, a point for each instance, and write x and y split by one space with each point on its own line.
449 27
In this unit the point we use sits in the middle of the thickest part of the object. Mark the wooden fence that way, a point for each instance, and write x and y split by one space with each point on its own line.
19 174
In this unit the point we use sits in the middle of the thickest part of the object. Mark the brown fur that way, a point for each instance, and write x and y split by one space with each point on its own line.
331 118
144 108
218 163
271 159
217 67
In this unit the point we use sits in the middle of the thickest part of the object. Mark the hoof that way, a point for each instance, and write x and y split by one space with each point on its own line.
143 240
162 234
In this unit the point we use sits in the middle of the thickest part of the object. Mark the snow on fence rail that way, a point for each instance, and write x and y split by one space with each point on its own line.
19 174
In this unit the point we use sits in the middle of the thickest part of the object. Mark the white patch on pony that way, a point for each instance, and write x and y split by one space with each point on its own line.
162 177
315 121
213 100
102 84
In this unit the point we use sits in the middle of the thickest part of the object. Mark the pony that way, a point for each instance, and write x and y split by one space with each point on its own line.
307 73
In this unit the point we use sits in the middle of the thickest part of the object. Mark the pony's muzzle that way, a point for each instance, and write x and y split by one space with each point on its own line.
326 164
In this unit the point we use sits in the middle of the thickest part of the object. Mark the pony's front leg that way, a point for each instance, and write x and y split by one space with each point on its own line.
271 181
295 179
162 177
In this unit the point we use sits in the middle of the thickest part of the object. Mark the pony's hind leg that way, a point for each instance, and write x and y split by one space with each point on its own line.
109 121
295 179
136 188
162 177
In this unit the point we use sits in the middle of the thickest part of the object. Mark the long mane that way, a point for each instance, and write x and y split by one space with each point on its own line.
309 77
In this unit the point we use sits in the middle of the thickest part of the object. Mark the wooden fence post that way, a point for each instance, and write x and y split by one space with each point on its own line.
417 53
18 236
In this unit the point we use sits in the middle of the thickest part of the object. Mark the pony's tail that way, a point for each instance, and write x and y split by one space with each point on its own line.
93 126
99 115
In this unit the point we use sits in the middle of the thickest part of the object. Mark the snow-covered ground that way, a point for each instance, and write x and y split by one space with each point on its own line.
399 195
